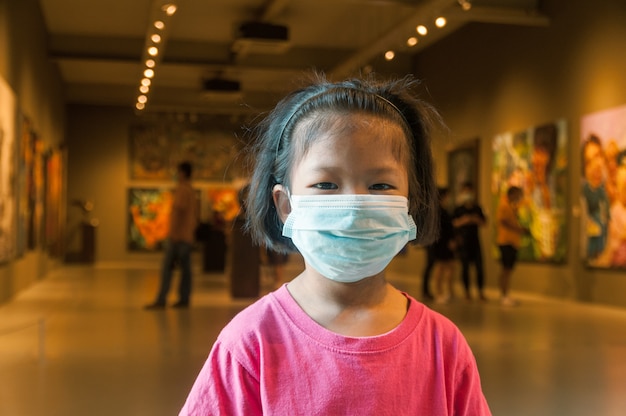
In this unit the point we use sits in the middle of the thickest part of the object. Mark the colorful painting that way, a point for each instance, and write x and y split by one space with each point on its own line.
149 216
462 168
8 156
156 150
535 160
53 202
603 188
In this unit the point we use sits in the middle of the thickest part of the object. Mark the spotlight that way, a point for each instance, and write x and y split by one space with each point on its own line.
412 41
440 22
389 55
422 30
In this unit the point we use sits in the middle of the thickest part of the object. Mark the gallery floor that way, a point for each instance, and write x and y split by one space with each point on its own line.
79 343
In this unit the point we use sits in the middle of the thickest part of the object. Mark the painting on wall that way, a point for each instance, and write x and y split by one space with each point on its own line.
8 167
463 168
535 160
157 149
30 189
53 234
603 188
149 212
148 217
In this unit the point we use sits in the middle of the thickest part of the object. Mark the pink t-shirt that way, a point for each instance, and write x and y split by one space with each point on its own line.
273 359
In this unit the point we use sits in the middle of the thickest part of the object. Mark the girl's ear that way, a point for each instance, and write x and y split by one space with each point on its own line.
281 201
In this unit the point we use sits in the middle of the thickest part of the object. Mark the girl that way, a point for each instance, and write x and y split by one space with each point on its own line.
344 174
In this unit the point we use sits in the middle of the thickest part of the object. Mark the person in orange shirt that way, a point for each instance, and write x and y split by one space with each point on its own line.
509 238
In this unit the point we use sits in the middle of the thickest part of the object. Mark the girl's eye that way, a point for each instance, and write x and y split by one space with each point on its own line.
381 187
325 185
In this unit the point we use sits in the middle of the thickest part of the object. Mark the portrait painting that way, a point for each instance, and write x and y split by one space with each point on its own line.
462 168
603 188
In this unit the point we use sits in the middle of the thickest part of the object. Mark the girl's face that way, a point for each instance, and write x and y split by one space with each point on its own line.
358 154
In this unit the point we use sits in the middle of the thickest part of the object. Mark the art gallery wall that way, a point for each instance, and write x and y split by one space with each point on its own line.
491 79
36 84
99 171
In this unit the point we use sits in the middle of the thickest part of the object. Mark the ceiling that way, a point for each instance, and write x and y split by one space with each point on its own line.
99 45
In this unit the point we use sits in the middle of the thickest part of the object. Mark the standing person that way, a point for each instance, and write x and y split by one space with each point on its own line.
509 238
467 218
183 221
344 173
443 251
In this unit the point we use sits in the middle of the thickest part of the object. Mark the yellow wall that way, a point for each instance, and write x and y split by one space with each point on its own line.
36 82
488 79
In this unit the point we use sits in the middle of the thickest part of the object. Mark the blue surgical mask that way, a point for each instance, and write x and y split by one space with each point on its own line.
347 238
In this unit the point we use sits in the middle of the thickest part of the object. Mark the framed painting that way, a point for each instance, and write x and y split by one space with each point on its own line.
535 159
603 189
157 149
463 168
149 217
8 172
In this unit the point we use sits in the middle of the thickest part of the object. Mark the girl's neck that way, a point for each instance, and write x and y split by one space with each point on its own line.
365 308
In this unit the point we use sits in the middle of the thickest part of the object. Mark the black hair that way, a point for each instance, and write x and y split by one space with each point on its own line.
545 138
186 169
274 149
514 192
592 139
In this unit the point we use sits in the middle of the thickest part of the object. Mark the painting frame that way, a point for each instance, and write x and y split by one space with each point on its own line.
603 189
463 162
535 159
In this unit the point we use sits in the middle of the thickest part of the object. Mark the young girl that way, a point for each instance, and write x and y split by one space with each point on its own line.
343 173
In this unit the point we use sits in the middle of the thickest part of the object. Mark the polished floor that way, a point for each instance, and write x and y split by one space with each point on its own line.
79 343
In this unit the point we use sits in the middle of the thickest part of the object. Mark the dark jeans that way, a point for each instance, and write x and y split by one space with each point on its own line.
180 252
469 256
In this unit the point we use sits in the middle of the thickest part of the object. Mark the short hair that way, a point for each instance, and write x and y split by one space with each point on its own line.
591 140
545 138
185 168
274 151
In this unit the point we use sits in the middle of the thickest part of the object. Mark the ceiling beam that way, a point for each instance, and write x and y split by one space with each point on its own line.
502 15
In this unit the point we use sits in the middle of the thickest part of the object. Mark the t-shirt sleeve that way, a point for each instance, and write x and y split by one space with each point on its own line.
470 400
223 387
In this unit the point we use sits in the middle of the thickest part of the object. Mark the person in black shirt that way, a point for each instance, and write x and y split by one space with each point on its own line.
467 217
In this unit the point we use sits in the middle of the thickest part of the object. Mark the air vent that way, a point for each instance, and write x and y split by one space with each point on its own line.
221 85
261 39
221 90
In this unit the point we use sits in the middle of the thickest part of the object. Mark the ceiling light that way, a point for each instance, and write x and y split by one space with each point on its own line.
150 63
146 82
142 99
170 9
422 30
159 24
144 89
389 55
155 38
140 106
412 41
153 51
148 73
440 22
